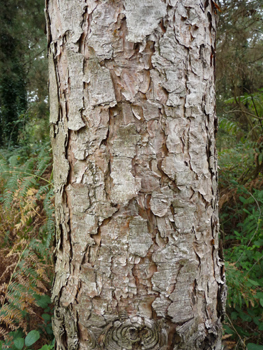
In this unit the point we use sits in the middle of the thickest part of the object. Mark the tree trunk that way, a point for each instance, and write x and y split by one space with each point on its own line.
133 121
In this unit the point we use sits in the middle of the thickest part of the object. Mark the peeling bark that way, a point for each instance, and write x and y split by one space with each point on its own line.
132 113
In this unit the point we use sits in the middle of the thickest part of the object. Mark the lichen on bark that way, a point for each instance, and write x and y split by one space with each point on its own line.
133 133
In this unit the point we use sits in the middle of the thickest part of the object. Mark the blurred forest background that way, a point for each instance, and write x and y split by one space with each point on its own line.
26 192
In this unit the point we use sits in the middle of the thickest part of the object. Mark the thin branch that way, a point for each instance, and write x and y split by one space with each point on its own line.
242 111
236 331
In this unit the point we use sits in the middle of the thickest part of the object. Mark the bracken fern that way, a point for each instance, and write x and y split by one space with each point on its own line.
26 233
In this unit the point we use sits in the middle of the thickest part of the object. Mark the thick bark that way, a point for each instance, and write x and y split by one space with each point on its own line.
133 130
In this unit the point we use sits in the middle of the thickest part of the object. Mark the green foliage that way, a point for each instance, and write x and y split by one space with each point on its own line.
228 126
18 341
27 210
240 144
242 234
48 347
31 338
252 346
23 72
12 78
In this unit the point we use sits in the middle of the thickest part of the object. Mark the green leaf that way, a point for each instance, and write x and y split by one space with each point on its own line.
242 199
246 211
228 330
252 346
245 317
19 343
46 317
261 302
49 329
43 301
45 347
256 320
254 283
234 315
32 337
48 346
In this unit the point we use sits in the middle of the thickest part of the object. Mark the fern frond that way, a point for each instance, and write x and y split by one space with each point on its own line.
27 224
3 332
9 314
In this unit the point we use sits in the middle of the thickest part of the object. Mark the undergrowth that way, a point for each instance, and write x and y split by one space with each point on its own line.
26 233
241 212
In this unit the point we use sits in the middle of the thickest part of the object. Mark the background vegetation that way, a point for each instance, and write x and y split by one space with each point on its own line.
239 86
26 192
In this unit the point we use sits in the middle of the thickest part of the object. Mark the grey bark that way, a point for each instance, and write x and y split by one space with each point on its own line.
133 121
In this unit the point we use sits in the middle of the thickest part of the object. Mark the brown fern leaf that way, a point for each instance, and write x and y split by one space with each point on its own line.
41 287
12 318
3 332
7 273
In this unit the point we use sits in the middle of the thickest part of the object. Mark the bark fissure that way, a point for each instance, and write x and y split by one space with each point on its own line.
133 116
